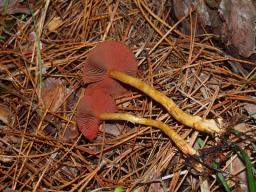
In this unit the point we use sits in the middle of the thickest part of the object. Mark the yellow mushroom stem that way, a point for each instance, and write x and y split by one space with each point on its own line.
177 139
193 121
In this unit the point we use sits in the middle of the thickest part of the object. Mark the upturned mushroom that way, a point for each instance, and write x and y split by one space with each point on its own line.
93 103
97 105
112 60
104 58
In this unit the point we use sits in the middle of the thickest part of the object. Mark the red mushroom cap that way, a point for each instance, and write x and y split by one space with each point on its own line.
91 105
109 85
105 57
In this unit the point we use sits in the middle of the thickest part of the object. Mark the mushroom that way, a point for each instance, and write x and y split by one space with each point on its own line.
93 103
113 60
110 61
97 105
105 57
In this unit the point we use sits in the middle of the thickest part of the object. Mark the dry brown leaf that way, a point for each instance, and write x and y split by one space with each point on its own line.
53 94
5 147
28 46
251 109
204 185
239 27
113 129
6 159
237 165
5 114
233 21
54 24
71 132
182 8
13 7
242 127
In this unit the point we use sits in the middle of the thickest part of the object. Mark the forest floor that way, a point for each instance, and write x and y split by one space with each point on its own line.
43 49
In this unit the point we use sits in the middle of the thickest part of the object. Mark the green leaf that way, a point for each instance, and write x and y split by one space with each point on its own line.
249 168
254 146
253 77
200 142
38 49
5 8
119 189
2 37
221 177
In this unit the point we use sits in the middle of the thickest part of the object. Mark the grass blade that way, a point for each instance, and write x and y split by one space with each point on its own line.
249 168
221 177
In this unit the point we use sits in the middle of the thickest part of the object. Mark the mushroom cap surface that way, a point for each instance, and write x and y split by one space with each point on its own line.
94 102
105 57
111 86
